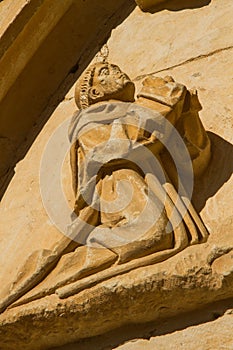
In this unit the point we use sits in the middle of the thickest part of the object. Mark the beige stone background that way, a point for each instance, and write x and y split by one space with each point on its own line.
194 44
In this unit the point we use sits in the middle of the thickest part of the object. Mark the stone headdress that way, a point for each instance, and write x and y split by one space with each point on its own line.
83 86
85 82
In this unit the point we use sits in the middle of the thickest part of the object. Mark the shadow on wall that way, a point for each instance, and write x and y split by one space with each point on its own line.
179 5
24 111
218 172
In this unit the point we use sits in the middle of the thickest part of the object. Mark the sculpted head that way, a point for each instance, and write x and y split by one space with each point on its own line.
103 82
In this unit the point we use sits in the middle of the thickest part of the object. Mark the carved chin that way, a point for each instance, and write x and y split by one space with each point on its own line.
128 82
129 86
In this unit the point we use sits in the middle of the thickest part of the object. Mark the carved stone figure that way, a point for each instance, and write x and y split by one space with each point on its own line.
129 217
106 82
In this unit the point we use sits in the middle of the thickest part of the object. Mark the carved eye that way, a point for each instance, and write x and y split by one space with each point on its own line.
104 71
115 70
95 92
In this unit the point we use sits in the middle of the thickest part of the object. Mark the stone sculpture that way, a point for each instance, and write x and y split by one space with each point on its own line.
102 133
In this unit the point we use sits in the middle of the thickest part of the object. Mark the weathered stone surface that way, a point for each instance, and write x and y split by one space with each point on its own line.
170 38
182 283
211 335
71 267
195 277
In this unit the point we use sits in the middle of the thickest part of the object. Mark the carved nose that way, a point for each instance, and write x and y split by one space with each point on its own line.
119 80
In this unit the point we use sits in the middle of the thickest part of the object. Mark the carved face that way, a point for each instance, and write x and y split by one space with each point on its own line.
109 82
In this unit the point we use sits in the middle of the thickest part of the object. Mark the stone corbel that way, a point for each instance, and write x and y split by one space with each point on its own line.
147 5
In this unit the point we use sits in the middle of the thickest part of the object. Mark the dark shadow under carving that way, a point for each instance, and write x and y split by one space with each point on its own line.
179 5
113 339
218 172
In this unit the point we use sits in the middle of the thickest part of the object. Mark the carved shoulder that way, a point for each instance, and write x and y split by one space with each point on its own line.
163 90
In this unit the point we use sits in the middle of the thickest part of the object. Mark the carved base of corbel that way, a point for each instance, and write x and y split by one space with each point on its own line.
192 279
147 5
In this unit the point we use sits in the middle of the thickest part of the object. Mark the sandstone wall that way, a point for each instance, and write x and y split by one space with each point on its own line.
194 45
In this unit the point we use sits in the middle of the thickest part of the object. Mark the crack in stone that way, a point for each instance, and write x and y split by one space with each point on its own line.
192 59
